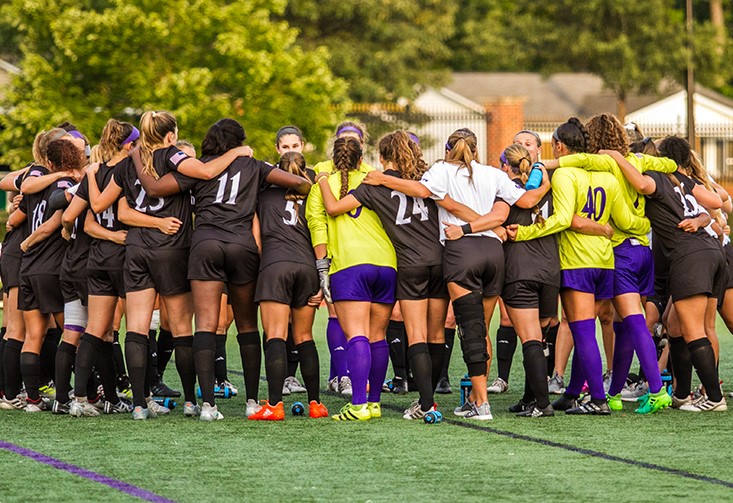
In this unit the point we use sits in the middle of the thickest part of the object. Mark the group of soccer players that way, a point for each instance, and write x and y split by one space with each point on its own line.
139 224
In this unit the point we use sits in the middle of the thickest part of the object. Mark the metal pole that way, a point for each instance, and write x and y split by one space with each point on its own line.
690 79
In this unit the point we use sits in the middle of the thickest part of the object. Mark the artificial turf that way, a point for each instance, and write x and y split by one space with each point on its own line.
388 459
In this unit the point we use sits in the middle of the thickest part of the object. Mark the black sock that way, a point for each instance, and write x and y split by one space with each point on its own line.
153 374
65 359
2 368
185 366
292 352
204 353
703 359
396 339
528 396
422 371
310 369
682 362
276 366
83 364
11 364
119 358
250 351
550 341
106 369
136 356
165 350
48 354
220 363
506 345
535 366
30 368
469 311
450 339
437 355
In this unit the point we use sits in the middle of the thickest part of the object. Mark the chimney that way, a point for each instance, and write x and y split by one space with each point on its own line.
506 119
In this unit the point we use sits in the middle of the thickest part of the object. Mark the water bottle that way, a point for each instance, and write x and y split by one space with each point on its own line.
535 177
466 388
667 381
165 402
298 409
433 417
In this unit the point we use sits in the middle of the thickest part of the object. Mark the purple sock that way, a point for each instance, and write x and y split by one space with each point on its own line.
577 376
359 360
623 354
586 347
646 352
337 346
378 370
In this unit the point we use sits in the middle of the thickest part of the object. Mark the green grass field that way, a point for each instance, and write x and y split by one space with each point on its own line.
680 456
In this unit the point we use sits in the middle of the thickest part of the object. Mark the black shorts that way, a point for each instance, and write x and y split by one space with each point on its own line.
10 272
699 273
288 283
729 260
421 282
528 294
163 269
41 292
233 263
475 263
105 283
74 290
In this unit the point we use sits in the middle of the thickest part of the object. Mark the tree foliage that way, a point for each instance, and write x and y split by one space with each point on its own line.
86 61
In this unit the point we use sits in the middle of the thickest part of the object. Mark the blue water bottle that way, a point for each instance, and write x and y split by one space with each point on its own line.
667 381
535 177
466 388
165 402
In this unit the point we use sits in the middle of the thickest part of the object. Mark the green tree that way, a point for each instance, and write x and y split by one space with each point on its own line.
201 59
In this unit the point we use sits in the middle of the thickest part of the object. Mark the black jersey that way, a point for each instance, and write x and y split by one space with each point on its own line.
537 259
410 222
103 254
667 207
283 228
165 160
226 205
11 243
74 265
46 256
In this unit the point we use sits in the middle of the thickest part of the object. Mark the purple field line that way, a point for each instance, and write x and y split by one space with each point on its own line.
124 487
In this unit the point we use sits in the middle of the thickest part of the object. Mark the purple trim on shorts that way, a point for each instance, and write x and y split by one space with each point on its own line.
365 283
118 485
634 271
593 280
74 328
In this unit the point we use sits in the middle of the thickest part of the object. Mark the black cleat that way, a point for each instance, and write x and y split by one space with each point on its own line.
534 411
590 408
565 402
162 389
521 406
399 386
443 387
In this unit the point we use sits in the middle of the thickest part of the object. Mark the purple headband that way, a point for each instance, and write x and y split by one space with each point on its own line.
414 138
448 147
503 159
134 135
352 129
75 134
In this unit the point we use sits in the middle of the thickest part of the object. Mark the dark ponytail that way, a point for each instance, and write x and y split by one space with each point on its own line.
346 154
573 135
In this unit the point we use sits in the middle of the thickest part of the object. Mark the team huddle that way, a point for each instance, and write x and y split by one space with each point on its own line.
617 225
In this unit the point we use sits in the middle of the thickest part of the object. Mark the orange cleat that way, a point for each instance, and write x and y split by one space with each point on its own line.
269 413
316 410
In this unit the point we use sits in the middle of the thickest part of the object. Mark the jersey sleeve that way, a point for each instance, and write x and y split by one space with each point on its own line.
173 158
315 213
363 193
622 217
508 190
660 164
436 181
83 191
119 175
563 198
589 162
186 183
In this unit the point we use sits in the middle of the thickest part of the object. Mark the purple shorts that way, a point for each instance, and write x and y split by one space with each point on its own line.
365 283
634 270
593 280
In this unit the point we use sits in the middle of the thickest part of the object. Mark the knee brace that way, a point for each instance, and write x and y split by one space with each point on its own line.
75 316
155 320
469 311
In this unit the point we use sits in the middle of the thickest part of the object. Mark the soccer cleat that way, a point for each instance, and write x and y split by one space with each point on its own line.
97 402
415 411
4 405
155 408
48 390
38 406
615 402
60 407
704 404
534 411
233 391
83 408
443 387
498 386
191 409
286 390
607 380
590 408
317 409
140 413
399 386
294 385
634 391
345 386
333 385
652 402
121 407
556 384
521 406
162 389
375 409
251 407
463 409
269 412
350 412
565 402
480 412
125 393
17 403
210 413
679 402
